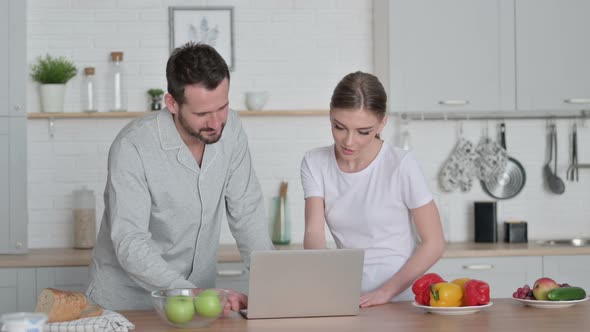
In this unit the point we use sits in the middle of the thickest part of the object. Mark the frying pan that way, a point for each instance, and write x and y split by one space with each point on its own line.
510 182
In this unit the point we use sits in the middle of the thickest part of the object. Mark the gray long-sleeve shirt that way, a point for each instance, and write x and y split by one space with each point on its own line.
163 213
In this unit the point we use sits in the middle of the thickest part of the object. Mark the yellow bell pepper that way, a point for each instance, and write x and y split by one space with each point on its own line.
445 294
461 282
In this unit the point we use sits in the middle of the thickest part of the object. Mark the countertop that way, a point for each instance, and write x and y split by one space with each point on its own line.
504 315
229 253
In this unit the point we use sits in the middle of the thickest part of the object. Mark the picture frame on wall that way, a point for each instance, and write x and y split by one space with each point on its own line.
209 25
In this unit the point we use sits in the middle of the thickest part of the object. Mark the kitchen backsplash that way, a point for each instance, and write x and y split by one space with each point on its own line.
76 156
334 38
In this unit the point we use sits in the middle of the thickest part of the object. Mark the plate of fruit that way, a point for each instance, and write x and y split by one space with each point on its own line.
459 297
546 293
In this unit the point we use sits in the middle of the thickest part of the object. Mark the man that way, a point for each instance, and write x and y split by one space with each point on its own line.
173 176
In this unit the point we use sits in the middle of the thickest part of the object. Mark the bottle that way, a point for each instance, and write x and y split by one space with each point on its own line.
116 84
84 219
281 230
88 91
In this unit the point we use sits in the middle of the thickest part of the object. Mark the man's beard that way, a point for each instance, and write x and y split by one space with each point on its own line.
197 134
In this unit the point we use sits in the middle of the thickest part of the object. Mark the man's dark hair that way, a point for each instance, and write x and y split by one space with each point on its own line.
194 63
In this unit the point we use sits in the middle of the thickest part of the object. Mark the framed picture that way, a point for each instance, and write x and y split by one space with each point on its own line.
209 25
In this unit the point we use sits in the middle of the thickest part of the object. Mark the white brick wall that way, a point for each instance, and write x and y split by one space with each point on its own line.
324 40
296 50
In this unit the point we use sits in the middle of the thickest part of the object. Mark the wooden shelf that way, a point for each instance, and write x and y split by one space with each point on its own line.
77 115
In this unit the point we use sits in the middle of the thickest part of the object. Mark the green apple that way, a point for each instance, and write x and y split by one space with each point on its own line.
180 309
208 303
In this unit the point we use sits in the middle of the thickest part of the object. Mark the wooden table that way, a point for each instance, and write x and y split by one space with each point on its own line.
504 315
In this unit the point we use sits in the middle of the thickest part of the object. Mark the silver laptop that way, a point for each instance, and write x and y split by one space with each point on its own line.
304 283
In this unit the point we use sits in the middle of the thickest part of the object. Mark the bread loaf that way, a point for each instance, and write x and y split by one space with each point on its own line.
61 306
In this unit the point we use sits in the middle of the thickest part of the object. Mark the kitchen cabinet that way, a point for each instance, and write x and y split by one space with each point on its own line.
19 286
552 52
442 56
13 137
13 66
66 278
574 270
232 275
23 284
13 185
503 274
17 290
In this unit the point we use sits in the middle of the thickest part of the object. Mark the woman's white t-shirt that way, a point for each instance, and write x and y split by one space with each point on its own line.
369 209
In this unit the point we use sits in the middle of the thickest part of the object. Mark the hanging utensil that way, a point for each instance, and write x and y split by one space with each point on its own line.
555 184
575 138
510 182
572 171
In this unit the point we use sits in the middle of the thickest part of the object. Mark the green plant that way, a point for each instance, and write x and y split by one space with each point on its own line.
154 93
50 70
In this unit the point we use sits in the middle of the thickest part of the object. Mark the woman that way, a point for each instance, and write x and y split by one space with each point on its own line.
368 192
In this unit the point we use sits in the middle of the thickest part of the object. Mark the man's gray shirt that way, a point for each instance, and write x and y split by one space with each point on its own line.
163 213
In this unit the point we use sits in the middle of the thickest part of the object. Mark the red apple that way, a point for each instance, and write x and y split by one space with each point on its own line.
542 287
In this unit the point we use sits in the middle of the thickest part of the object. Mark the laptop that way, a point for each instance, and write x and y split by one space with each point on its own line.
304 283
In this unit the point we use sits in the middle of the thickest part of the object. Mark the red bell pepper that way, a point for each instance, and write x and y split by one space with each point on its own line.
421 287
477 292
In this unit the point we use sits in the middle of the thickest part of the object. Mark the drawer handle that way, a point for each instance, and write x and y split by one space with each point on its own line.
577 101
454 102
478 267
230 273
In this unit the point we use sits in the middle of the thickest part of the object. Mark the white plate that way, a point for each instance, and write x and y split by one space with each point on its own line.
453 310
550 304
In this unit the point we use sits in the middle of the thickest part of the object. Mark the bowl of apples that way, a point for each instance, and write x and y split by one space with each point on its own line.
190 307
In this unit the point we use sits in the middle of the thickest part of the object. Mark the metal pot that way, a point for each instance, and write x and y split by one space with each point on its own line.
510 182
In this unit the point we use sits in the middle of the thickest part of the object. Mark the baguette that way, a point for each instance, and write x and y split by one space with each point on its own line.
62 306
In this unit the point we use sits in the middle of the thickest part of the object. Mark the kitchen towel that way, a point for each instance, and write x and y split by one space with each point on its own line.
458 170
491 159
109 321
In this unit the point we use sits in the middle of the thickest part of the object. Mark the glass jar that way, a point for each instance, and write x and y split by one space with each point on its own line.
116 84
88 91
84 218
281 222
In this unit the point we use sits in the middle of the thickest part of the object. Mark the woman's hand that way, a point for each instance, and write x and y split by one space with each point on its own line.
380 296
235 302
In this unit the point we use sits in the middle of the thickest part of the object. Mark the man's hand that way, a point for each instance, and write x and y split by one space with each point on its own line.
235 302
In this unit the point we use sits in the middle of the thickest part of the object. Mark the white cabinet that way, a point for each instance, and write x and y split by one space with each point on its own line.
19 287
232 276
451 55
17 290
13 66
574 270
503 274
74 278
552 54
13 127
13 185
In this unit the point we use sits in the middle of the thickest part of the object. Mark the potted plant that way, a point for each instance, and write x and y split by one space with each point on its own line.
156 95
53 74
